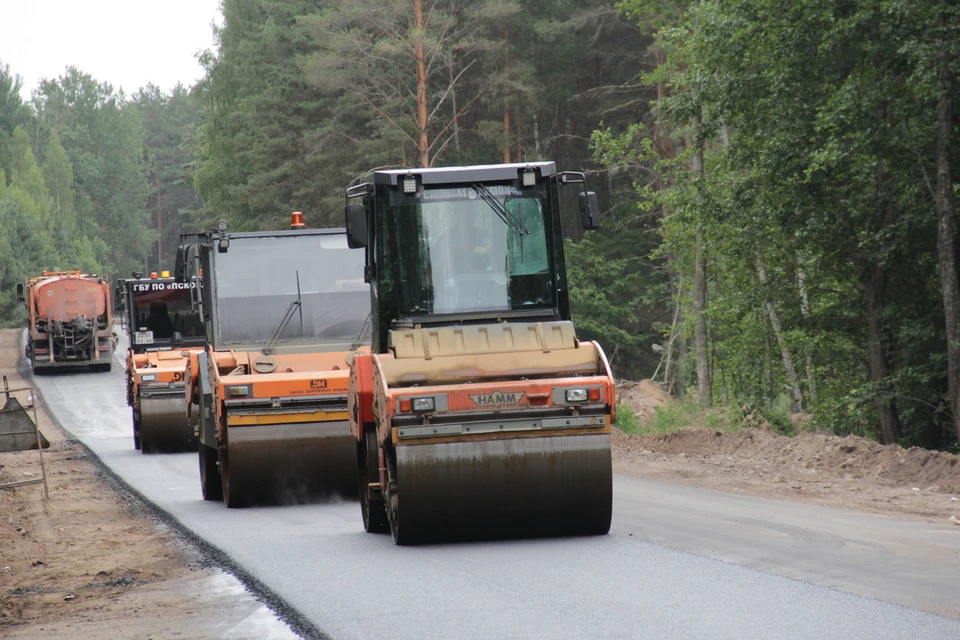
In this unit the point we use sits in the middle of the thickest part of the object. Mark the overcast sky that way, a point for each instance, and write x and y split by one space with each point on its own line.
127 43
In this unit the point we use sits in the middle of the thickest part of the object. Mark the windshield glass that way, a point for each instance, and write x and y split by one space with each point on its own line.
472 249
260 279
161 308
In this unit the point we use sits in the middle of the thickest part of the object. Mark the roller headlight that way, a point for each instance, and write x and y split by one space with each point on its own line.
576 395
238 391
422 404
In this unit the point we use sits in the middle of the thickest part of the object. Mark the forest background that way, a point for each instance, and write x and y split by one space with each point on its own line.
779 224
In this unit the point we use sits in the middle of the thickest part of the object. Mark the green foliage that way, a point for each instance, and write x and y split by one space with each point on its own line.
26 245
627 419
606 302
302 100
263 148
102 134
72 193
817 121
170 121
674 416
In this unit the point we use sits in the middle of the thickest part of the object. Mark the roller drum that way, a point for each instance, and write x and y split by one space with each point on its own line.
522 487
163 424
289 464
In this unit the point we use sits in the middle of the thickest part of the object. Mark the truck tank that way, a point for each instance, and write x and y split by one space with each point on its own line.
71 321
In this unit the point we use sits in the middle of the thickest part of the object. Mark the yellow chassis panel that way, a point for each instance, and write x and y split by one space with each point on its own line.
285 418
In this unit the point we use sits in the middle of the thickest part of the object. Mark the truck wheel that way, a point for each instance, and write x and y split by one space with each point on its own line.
210 483
374 510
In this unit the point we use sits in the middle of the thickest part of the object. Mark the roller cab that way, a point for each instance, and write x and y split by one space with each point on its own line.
163 329
478 414
283 312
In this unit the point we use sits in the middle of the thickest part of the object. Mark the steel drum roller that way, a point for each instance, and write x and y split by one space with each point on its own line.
290 463
541 486
163 424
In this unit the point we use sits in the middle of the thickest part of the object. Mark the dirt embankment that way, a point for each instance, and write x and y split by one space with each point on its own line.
848 472
92 562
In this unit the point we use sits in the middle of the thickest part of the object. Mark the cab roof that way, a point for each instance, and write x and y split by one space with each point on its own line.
475 173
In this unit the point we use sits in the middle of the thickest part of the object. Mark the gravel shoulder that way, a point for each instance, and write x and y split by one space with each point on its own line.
94 562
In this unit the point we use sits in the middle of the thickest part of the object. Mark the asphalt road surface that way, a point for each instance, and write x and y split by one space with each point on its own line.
679 563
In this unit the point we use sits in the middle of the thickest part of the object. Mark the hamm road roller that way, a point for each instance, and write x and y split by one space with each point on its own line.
283 310
477 413
71 322
162 328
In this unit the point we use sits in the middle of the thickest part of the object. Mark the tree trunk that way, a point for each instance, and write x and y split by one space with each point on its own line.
455 122
661 142
518 156
536 137
700 337
156 185
805 312
796 395
506 97
947 230
680 388
701 346
874 287
423 147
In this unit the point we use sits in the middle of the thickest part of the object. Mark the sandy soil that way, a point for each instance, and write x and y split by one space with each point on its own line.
819 468
93 562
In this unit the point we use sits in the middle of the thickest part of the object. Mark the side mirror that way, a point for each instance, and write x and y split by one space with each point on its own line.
356 219
20 290
589 210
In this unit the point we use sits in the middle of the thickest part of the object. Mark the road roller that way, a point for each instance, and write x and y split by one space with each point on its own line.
477 413
284 310
163 329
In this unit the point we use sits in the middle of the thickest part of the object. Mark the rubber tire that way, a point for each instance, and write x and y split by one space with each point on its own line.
374 512
210 483
136 430
393 502
234 499
393 515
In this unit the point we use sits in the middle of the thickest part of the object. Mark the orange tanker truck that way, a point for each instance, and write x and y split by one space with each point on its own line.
283 310
478 413
71 322
162 328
